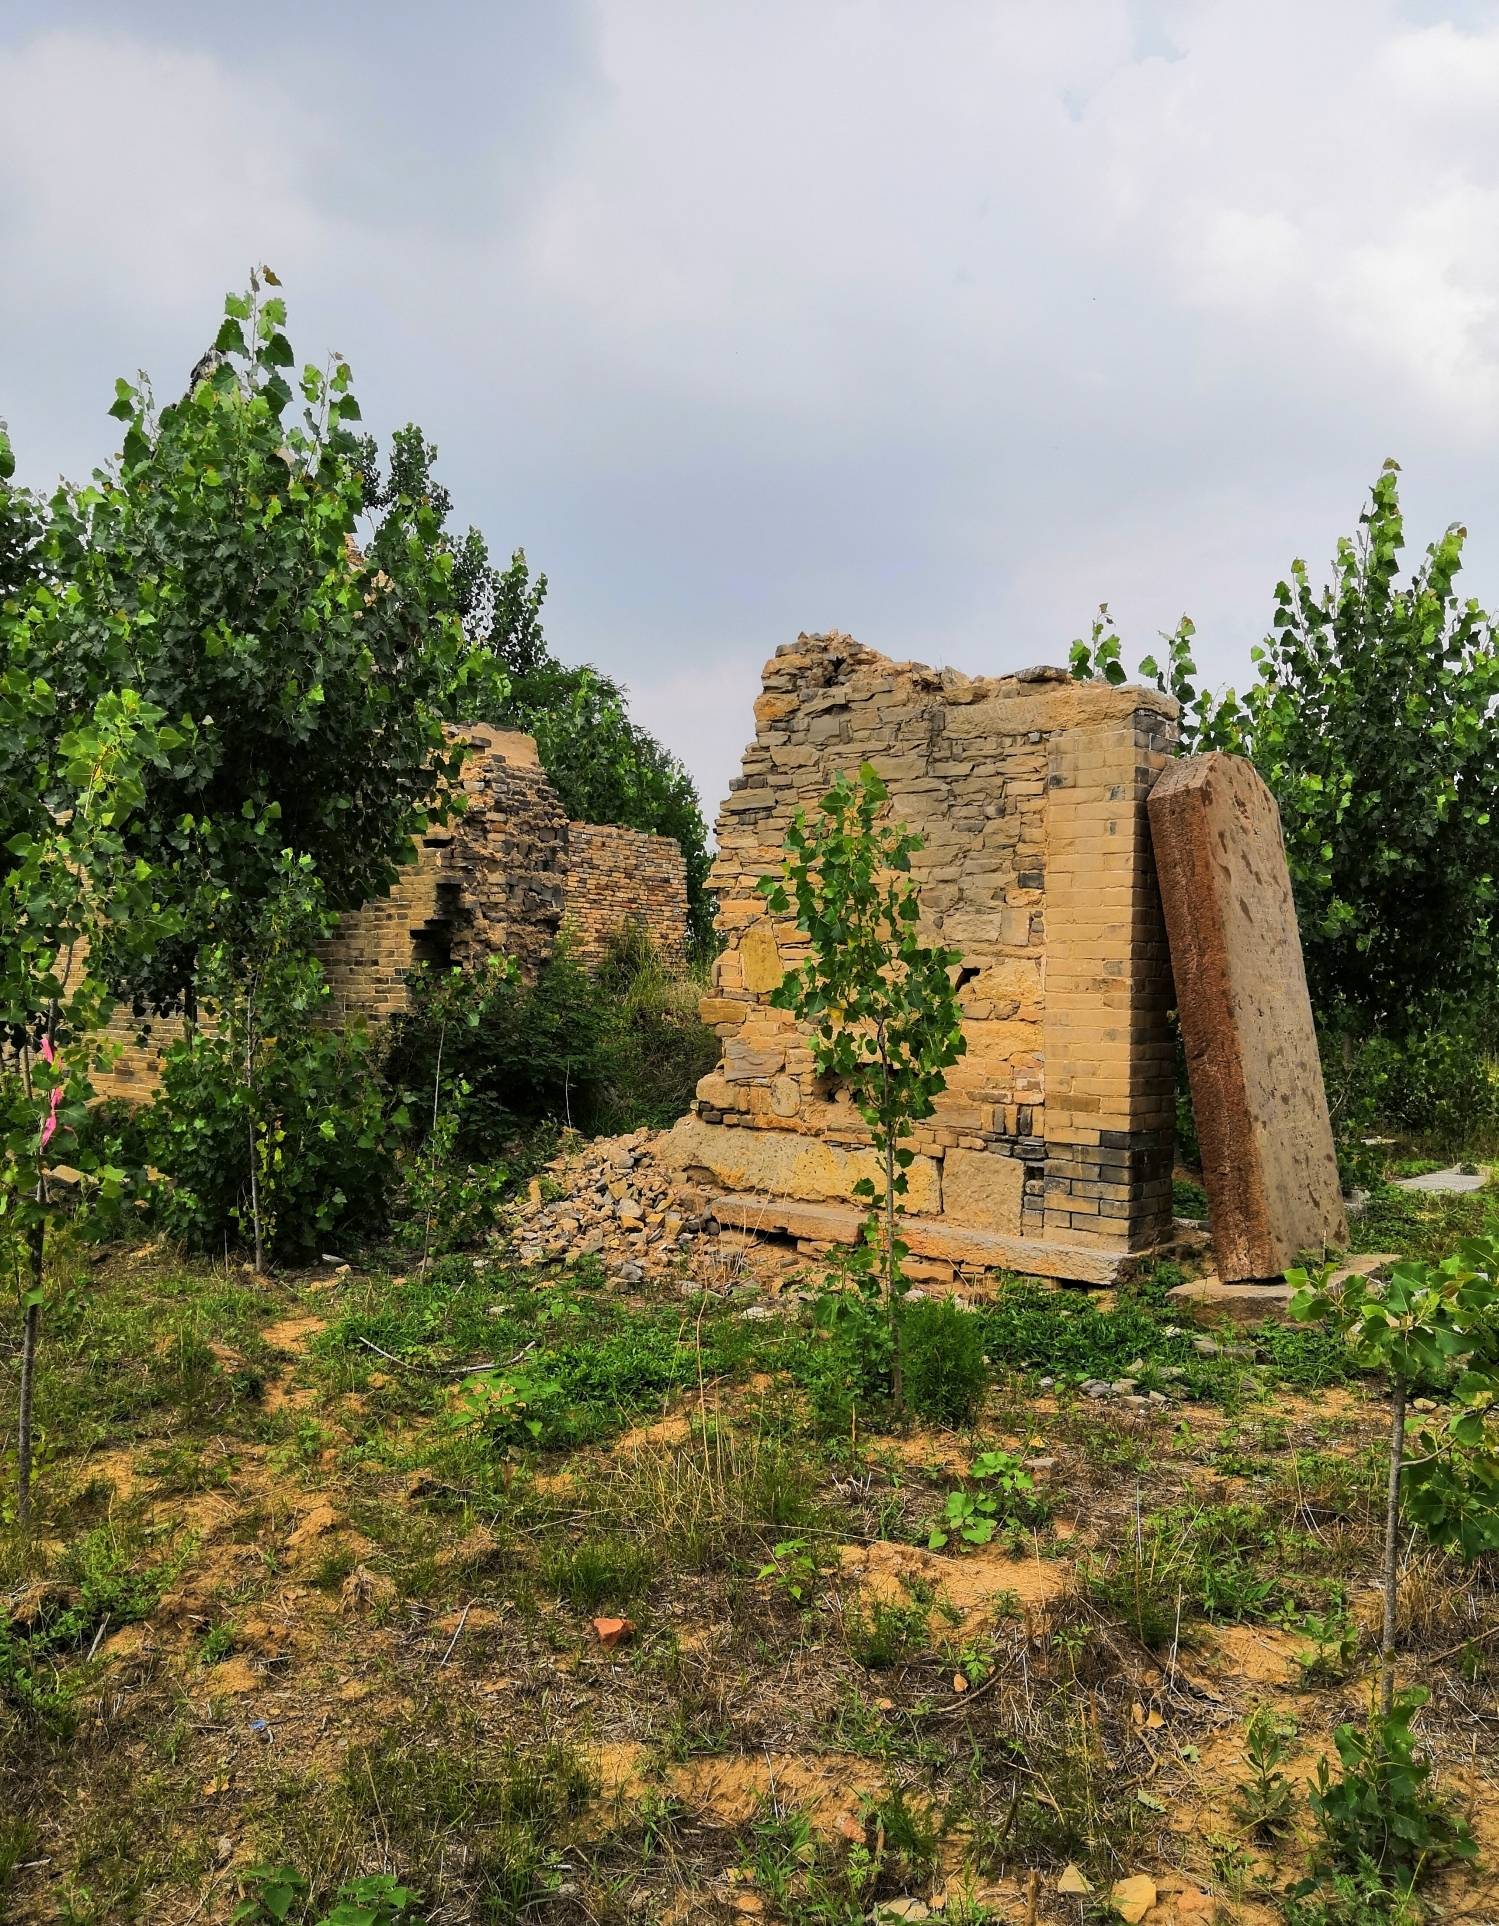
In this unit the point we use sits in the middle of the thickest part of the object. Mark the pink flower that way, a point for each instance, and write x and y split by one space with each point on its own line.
49 1122
49 1055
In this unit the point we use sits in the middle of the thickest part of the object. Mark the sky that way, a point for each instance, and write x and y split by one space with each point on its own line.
935 321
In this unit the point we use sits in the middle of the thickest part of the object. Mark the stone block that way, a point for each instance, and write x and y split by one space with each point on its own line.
983 1188
760 960
929 1237
1269 1166
787 1164
743 1062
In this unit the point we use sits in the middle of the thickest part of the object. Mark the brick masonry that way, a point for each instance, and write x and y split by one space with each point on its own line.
1051 1148
616 875
508 873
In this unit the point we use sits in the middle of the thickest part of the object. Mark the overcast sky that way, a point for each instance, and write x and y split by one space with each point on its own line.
938 321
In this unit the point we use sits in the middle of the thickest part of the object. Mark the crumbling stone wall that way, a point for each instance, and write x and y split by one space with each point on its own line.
494 878
617 876
502 875
1051 1148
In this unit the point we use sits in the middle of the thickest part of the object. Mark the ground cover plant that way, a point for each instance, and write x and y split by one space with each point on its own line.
649 1633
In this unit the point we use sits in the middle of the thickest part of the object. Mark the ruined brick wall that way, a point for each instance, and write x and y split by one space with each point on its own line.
1051 1149
500 876
618 876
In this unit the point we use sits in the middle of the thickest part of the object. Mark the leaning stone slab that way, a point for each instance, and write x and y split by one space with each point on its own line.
1268 1162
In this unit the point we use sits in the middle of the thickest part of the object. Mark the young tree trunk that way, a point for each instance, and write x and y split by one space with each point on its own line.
892 1297
255 1202
1392 1546
36 1239
250 1106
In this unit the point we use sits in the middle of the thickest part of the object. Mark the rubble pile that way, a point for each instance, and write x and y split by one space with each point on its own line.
611 1200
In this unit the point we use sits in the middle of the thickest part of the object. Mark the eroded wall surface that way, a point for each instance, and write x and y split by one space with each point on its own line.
1051 1148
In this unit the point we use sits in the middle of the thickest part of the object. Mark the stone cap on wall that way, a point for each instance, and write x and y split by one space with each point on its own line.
510 745
1061 700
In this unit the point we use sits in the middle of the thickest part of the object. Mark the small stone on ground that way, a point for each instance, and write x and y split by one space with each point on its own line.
1452 1178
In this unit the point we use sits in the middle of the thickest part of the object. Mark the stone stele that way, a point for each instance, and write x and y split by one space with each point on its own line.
1246 1019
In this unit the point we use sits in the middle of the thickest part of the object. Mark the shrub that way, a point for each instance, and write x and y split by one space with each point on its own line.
1380 1825
945 1371
325 1145
603 1053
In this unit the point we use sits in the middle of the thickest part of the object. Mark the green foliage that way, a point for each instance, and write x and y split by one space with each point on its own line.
1265 1803
70 784
1372 721
214 572
1000 1496
1432 1324
881 1004
946 1375
374 1899
846 1372
449 1202
1380 1821
1435 1084
604 1053
272 1127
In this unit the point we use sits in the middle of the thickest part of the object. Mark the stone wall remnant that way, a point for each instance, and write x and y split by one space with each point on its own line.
509 873
1050 1150
1268 1162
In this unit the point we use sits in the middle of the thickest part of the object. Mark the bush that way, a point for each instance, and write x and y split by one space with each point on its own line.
1436 1085
1380 1826
601 1052
325 1145
946 1375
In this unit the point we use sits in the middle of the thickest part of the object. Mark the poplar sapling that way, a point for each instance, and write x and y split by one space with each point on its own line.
881 1003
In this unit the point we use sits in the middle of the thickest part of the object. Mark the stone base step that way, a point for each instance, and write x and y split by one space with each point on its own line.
928 1237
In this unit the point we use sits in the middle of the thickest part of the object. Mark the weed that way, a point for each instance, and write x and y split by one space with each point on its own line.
723 1495
1264 1804
599 1572
218 1643
1330 1657
1003 1497
945 1372
1214 1561
795 1567
885 1633
375 1899
1380 1823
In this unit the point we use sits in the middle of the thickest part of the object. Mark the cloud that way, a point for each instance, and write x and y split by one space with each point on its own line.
936 325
